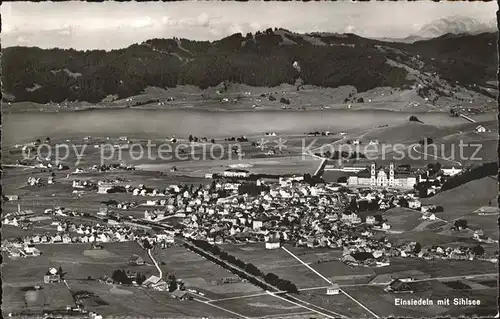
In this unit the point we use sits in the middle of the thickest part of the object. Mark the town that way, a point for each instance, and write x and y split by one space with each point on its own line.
358 217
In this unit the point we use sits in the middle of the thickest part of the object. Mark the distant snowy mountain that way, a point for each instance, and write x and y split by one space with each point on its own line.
449 25
455 25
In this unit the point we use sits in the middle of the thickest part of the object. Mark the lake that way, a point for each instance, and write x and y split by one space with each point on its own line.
24 127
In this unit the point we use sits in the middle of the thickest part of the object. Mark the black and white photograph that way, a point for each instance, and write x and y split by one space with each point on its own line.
254 160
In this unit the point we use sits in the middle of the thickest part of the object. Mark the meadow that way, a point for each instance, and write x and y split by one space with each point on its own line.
152 303
465 198
77 261
201 274
260 306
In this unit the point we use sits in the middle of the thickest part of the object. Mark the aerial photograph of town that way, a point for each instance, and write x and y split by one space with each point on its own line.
249 159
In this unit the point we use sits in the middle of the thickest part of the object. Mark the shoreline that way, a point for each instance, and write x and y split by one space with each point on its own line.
12 110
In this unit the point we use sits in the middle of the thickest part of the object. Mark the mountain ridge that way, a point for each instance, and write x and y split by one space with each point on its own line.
262 59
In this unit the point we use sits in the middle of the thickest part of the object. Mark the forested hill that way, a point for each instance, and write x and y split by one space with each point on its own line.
262 59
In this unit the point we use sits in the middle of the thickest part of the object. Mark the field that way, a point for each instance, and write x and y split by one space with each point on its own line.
77 261
464 199
51 297
403 219
282 264
151 303
337 303
439 268
488 223
276 165
201 274
260 306
407 133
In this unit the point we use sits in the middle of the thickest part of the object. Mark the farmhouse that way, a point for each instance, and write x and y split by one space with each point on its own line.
151 281
273 244
52 276
104 188
370 220
450 171
136 260
12 197
383 178
487 210
480 129
398 286
180 294
333 289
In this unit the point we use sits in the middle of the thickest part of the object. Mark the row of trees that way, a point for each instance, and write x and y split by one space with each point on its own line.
342 155
269 278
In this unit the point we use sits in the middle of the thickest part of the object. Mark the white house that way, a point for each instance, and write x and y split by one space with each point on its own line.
451 171
104 188
256 224
429 216
234 172
370 220
480 129
333 290
414 204
273 245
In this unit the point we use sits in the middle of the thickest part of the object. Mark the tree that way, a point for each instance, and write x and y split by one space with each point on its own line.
403 202
147 244
417 248
413 118
284 101
478 250
172 283
61 273
252 269
460 224
140 278
120 276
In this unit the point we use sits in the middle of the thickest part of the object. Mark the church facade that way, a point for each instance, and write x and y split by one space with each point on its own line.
382 178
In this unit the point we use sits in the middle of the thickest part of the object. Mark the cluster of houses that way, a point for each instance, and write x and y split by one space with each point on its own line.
35 181
70 233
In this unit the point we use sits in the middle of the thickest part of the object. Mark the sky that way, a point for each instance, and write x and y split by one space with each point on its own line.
113 25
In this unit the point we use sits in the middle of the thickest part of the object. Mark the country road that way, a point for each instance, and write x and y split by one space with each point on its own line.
436 157
156 264
331 283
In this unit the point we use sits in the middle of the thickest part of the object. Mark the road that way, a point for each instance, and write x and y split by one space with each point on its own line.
468 118
330 282
156 264
436 157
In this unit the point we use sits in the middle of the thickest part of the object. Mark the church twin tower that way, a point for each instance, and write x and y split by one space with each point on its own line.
380 178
